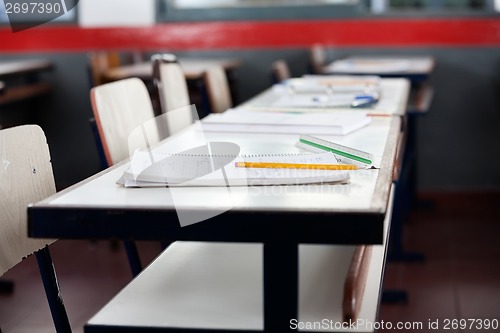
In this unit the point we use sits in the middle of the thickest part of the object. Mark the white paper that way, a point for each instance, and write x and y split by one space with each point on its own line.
152 169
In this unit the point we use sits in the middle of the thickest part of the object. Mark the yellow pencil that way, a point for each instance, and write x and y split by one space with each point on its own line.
295 166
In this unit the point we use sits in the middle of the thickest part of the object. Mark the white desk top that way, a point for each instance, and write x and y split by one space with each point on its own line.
393 99
367 191
352 212
396 65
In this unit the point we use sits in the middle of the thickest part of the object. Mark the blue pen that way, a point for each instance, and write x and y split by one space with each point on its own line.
365 97
364 101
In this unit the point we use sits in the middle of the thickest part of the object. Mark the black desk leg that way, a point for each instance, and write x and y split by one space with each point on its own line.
280 285
133 257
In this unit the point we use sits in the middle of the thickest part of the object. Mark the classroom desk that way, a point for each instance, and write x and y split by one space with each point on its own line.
280 217
415 68
25 74
193 68
393 99
24 67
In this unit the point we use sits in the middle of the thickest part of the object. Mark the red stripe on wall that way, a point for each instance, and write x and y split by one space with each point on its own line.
259 34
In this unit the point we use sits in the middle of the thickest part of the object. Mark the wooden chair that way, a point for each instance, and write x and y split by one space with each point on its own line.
125 121
317 59
217 88
280 71
170 83
119 108
26 177
98 63
355 282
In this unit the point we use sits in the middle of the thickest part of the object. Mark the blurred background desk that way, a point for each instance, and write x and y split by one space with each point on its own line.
194 70
413 68
27 84
21 83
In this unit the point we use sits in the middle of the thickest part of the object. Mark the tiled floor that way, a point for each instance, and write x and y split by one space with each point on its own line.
460 278
89 274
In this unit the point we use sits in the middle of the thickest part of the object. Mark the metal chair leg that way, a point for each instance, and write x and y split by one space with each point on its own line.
52 291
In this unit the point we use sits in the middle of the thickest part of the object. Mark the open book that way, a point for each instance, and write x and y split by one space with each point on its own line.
149 169
241 120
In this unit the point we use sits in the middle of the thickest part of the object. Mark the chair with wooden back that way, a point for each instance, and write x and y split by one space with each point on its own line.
99 62
172 89
280 71
317 58
124 120
217 88
26 177
120 108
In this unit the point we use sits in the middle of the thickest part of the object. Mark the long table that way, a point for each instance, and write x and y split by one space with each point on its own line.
279 217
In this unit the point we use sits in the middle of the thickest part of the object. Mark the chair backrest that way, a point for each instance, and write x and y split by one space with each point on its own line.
25 177
99 62
317 58
170 81
171 85
217 86
280 71
120 108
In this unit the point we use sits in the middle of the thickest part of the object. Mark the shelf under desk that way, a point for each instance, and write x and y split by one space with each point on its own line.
218 286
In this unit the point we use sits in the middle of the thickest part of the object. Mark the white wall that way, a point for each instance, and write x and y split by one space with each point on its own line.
109 13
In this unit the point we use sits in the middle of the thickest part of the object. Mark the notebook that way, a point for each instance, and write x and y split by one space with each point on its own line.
149 169
369 65
344 100
339 84
242 120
